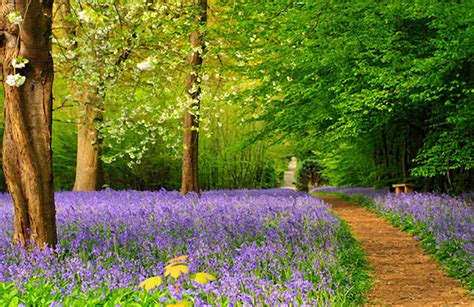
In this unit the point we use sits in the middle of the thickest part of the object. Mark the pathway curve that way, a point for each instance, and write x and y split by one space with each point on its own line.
289 176
403 273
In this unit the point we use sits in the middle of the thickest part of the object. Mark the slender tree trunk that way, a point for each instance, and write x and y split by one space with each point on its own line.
385 153
64 19
190 173
89 171
405 166
27 154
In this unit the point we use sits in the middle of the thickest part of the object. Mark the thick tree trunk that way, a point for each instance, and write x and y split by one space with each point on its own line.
27 154
89 171
190 173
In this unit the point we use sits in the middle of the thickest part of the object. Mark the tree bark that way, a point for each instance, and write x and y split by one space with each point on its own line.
89 170
405 161
385 152
190 173
27 154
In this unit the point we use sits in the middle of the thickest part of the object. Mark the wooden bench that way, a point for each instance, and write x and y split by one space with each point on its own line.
403 188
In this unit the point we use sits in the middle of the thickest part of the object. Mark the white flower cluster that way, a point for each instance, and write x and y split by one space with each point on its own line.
84 15
147 65
14 17
19 62
16 80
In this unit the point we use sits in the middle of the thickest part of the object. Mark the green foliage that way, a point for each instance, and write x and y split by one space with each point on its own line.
8 295
226 159
64 155
352 257
347 165
392 82
39 293
379 94
449 147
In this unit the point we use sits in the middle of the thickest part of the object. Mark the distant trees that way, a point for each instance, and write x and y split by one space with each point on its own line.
378 93
95 43
25 56
115 56
90 69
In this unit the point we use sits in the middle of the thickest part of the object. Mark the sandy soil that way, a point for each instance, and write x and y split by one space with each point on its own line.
404 274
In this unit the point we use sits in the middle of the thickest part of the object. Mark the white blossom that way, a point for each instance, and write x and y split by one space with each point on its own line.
14 17
84 16
19 62
146 65
15 80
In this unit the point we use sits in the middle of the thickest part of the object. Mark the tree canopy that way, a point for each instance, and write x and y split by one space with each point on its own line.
377 93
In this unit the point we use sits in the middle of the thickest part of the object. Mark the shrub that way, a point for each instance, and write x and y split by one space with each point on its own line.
309 174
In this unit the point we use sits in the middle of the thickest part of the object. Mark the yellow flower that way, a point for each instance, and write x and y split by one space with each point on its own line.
176 269
182 258
181 303
203 278
151 283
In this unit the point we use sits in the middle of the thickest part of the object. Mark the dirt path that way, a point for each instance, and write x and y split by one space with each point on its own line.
289 175
403 273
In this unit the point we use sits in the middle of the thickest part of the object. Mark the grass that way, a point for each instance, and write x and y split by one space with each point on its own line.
353 257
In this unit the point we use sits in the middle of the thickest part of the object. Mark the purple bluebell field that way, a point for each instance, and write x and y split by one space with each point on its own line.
444 224
264 247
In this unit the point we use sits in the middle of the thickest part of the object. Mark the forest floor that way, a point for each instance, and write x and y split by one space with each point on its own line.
403 273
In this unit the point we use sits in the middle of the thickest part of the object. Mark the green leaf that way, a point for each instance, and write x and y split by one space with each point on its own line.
14 302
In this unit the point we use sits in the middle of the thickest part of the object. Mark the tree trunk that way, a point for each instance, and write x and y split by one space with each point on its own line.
64 19
190 173
385 153
405 166
27 154
89 171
